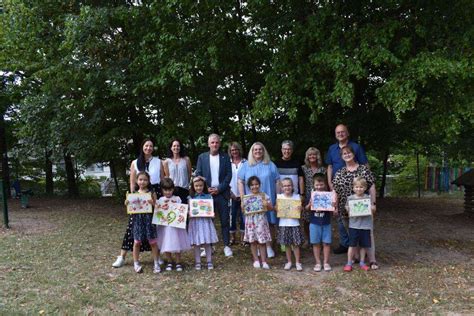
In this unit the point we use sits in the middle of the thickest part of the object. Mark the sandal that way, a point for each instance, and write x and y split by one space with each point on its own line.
169 267
179 267
374 265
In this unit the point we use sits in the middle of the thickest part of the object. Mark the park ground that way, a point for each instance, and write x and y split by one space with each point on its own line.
57 258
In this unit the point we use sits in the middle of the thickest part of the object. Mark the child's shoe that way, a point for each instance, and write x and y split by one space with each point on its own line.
197 266
299 266
327 267
210 266
169 267
374 265
265 266
137 267
287 266
317 267
364 267
179 267
256 264
156 269
119 262
348 268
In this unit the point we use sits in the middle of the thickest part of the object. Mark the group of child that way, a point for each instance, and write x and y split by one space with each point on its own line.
201 232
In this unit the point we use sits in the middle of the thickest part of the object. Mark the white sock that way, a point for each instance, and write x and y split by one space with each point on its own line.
136 263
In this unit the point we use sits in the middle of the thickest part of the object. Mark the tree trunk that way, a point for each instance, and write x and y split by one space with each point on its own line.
242 133
114 176
48 169
384 174
70 175
4 153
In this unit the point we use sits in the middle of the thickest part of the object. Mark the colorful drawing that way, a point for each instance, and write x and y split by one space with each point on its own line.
359 207
170 214
254 203
288 208
138 203
323 201
201 208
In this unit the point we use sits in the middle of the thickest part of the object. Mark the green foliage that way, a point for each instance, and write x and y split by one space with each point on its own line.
404 167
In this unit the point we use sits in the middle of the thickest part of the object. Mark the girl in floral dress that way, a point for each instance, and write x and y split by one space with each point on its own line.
257 231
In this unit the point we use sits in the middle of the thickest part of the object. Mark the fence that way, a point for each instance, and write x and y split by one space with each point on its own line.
438 179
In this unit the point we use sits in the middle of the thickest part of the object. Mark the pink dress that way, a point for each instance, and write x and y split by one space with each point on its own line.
172 239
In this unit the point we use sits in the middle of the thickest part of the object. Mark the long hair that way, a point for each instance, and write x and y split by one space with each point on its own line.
192 192
310 150
141 162
182 150
266 156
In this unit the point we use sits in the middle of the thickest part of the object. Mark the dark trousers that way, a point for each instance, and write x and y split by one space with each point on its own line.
221 206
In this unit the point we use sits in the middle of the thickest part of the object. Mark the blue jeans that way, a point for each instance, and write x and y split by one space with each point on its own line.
221 206
236 212
343 233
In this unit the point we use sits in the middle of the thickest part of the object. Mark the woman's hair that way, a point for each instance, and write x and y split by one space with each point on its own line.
236 145
346 148
167 184
266 156
309 151
141 162
182 150
291 181
361 181
252 179
192 191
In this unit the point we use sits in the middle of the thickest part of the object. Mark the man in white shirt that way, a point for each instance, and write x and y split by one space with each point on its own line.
215 166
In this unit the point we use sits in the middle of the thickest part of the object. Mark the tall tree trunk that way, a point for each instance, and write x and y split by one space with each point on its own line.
384 174
4 154
48 169
70 175
113 172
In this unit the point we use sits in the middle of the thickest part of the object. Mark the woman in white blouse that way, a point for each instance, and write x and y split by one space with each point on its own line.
178 167
235 154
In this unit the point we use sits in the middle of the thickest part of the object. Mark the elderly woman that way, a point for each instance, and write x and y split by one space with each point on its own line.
151 164
260 165
235 154
313 163
343 183
178 167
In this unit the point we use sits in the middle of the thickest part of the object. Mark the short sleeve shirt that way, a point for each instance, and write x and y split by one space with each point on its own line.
290 169
267 173
360 222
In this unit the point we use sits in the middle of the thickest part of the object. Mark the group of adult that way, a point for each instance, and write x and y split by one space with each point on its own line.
226 175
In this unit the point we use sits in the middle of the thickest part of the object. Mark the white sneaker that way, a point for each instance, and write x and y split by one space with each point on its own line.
138 268
119 262
256 264
270 252
327 267
287 266
228 251
156 269
265 266
317 267
299 267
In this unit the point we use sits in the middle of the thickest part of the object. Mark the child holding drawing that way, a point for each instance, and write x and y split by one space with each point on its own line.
257 231
171 239
142 227
359 227
289 230
201 230
320 227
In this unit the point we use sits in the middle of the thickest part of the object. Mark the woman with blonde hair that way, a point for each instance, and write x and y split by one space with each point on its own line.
313 164
259 164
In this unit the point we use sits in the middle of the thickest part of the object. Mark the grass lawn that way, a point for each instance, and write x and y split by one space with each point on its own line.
57 259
